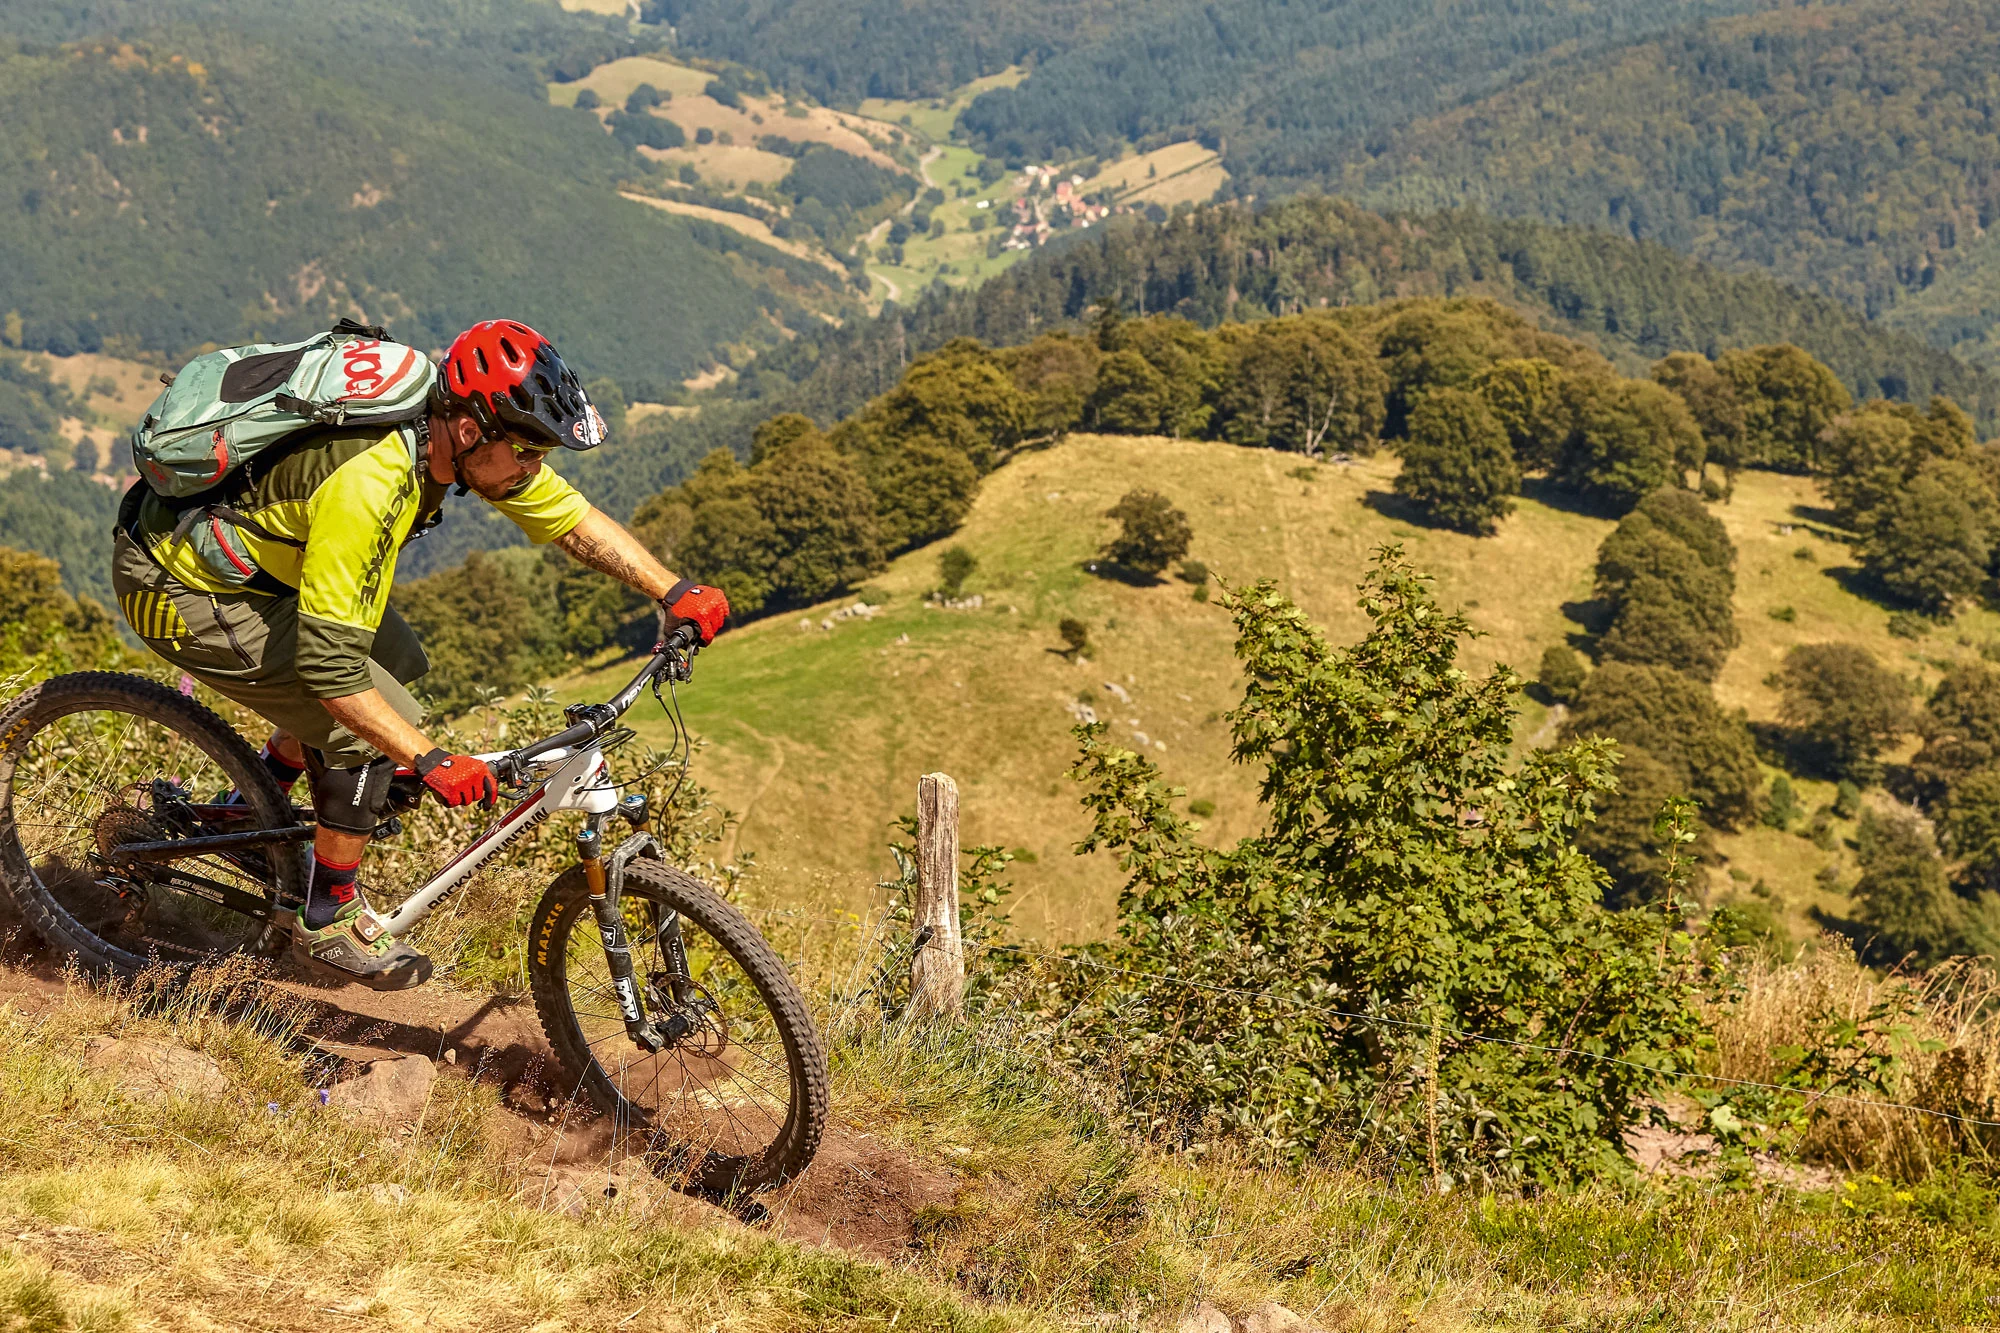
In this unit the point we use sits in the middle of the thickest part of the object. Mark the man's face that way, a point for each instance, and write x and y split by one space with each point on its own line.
495 468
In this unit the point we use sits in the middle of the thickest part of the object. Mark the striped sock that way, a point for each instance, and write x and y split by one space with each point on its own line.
333 888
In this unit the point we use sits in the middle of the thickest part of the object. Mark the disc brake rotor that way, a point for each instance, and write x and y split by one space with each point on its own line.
696 1024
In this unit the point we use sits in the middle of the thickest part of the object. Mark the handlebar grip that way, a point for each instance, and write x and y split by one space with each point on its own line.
685 637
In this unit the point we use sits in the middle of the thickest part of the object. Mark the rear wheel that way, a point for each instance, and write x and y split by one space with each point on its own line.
736 1098
95 759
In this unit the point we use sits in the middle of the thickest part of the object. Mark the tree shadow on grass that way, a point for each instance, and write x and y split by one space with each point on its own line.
1117 573
1401 509
1822 520
1551 496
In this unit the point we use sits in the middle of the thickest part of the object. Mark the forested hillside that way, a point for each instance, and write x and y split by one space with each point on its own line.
1636 302
192 174
1850 149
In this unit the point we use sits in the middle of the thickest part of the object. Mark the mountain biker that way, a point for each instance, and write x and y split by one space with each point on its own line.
310 642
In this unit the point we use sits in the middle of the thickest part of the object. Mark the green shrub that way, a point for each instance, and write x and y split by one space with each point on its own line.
955 565
1368 892
1908 625
1193 571
1846 800
1783 806
1075 636
1561 672
1201 809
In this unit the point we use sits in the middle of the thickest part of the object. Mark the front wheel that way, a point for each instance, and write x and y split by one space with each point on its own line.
735 1099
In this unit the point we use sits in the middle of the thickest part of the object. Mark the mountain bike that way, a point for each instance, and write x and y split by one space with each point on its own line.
672 1021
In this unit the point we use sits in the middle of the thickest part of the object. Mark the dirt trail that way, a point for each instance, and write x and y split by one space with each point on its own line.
860 1195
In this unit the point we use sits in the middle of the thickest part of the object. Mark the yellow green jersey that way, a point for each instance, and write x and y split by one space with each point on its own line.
351 500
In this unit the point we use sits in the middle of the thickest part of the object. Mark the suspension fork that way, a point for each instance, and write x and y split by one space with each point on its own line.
605 883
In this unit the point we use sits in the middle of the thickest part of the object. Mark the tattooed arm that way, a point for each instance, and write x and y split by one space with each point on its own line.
598 541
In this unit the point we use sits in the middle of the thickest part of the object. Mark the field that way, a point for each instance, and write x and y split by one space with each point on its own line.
117 393
1180 172
817 729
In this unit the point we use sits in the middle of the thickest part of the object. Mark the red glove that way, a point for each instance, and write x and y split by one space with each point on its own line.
694 604
458 779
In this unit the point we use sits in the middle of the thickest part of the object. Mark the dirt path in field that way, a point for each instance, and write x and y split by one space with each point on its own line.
860 1195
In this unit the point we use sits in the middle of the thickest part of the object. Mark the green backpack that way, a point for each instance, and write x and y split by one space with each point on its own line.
226 408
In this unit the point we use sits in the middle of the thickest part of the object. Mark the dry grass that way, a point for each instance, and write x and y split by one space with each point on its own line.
1939 1033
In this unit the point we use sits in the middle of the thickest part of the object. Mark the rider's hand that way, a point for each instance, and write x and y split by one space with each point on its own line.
693 604
458 779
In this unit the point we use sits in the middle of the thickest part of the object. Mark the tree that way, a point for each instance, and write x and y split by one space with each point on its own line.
1526 394
1903 896
1432 347
1458 464
1301 383
1930 544
1620 837
1131 396
1152 532
784 429
1843 705
1670 603
488 624
1971 826
1676 720
961 398
1712 401
1057 375
1789 399
39 614
923 487
1867 456
1368 888
822 518
1627 438
1186 359
1960 726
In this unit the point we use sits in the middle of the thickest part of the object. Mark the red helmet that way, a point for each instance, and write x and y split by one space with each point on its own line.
512 379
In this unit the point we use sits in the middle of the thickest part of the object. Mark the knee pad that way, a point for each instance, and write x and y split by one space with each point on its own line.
352 800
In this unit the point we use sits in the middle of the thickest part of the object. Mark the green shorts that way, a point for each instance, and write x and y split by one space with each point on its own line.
244 645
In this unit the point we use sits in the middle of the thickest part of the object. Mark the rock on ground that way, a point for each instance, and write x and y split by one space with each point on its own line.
1205 1318
155 1068
1271 1317
386 1093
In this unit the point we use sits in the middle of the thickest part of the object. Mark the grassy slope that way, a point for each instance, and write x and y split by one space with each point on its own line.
817 737
258 1210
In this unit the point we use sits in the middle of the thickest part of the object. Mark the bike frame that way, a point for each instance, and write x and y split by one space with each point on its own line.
581 781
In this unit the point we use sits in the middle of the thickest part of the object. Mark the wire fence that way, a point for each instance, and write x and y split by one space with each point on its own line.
1677 1076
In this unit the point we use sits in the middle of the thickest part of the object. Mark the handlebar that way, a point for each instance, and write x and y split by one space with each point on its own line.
595 719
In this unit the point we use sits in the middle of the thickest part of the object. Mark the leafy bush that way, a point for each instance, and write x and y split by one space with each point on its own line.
1408 889
1075 636
1783 807
643 129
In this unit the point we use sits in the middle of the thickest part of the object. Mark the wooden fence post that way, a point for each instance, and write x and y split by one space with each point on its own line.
937 970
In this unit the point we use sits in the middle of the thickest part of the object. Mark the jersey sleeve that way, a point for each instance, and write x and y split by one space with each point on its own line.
357 520
546 508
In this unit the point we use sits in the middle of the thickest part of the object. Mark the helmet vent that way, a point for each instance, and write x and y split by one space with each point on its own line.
507 350
522 399
479 356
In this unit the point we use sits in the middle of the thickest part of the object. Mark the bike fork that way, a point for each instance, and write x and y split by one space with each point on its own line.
606 906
